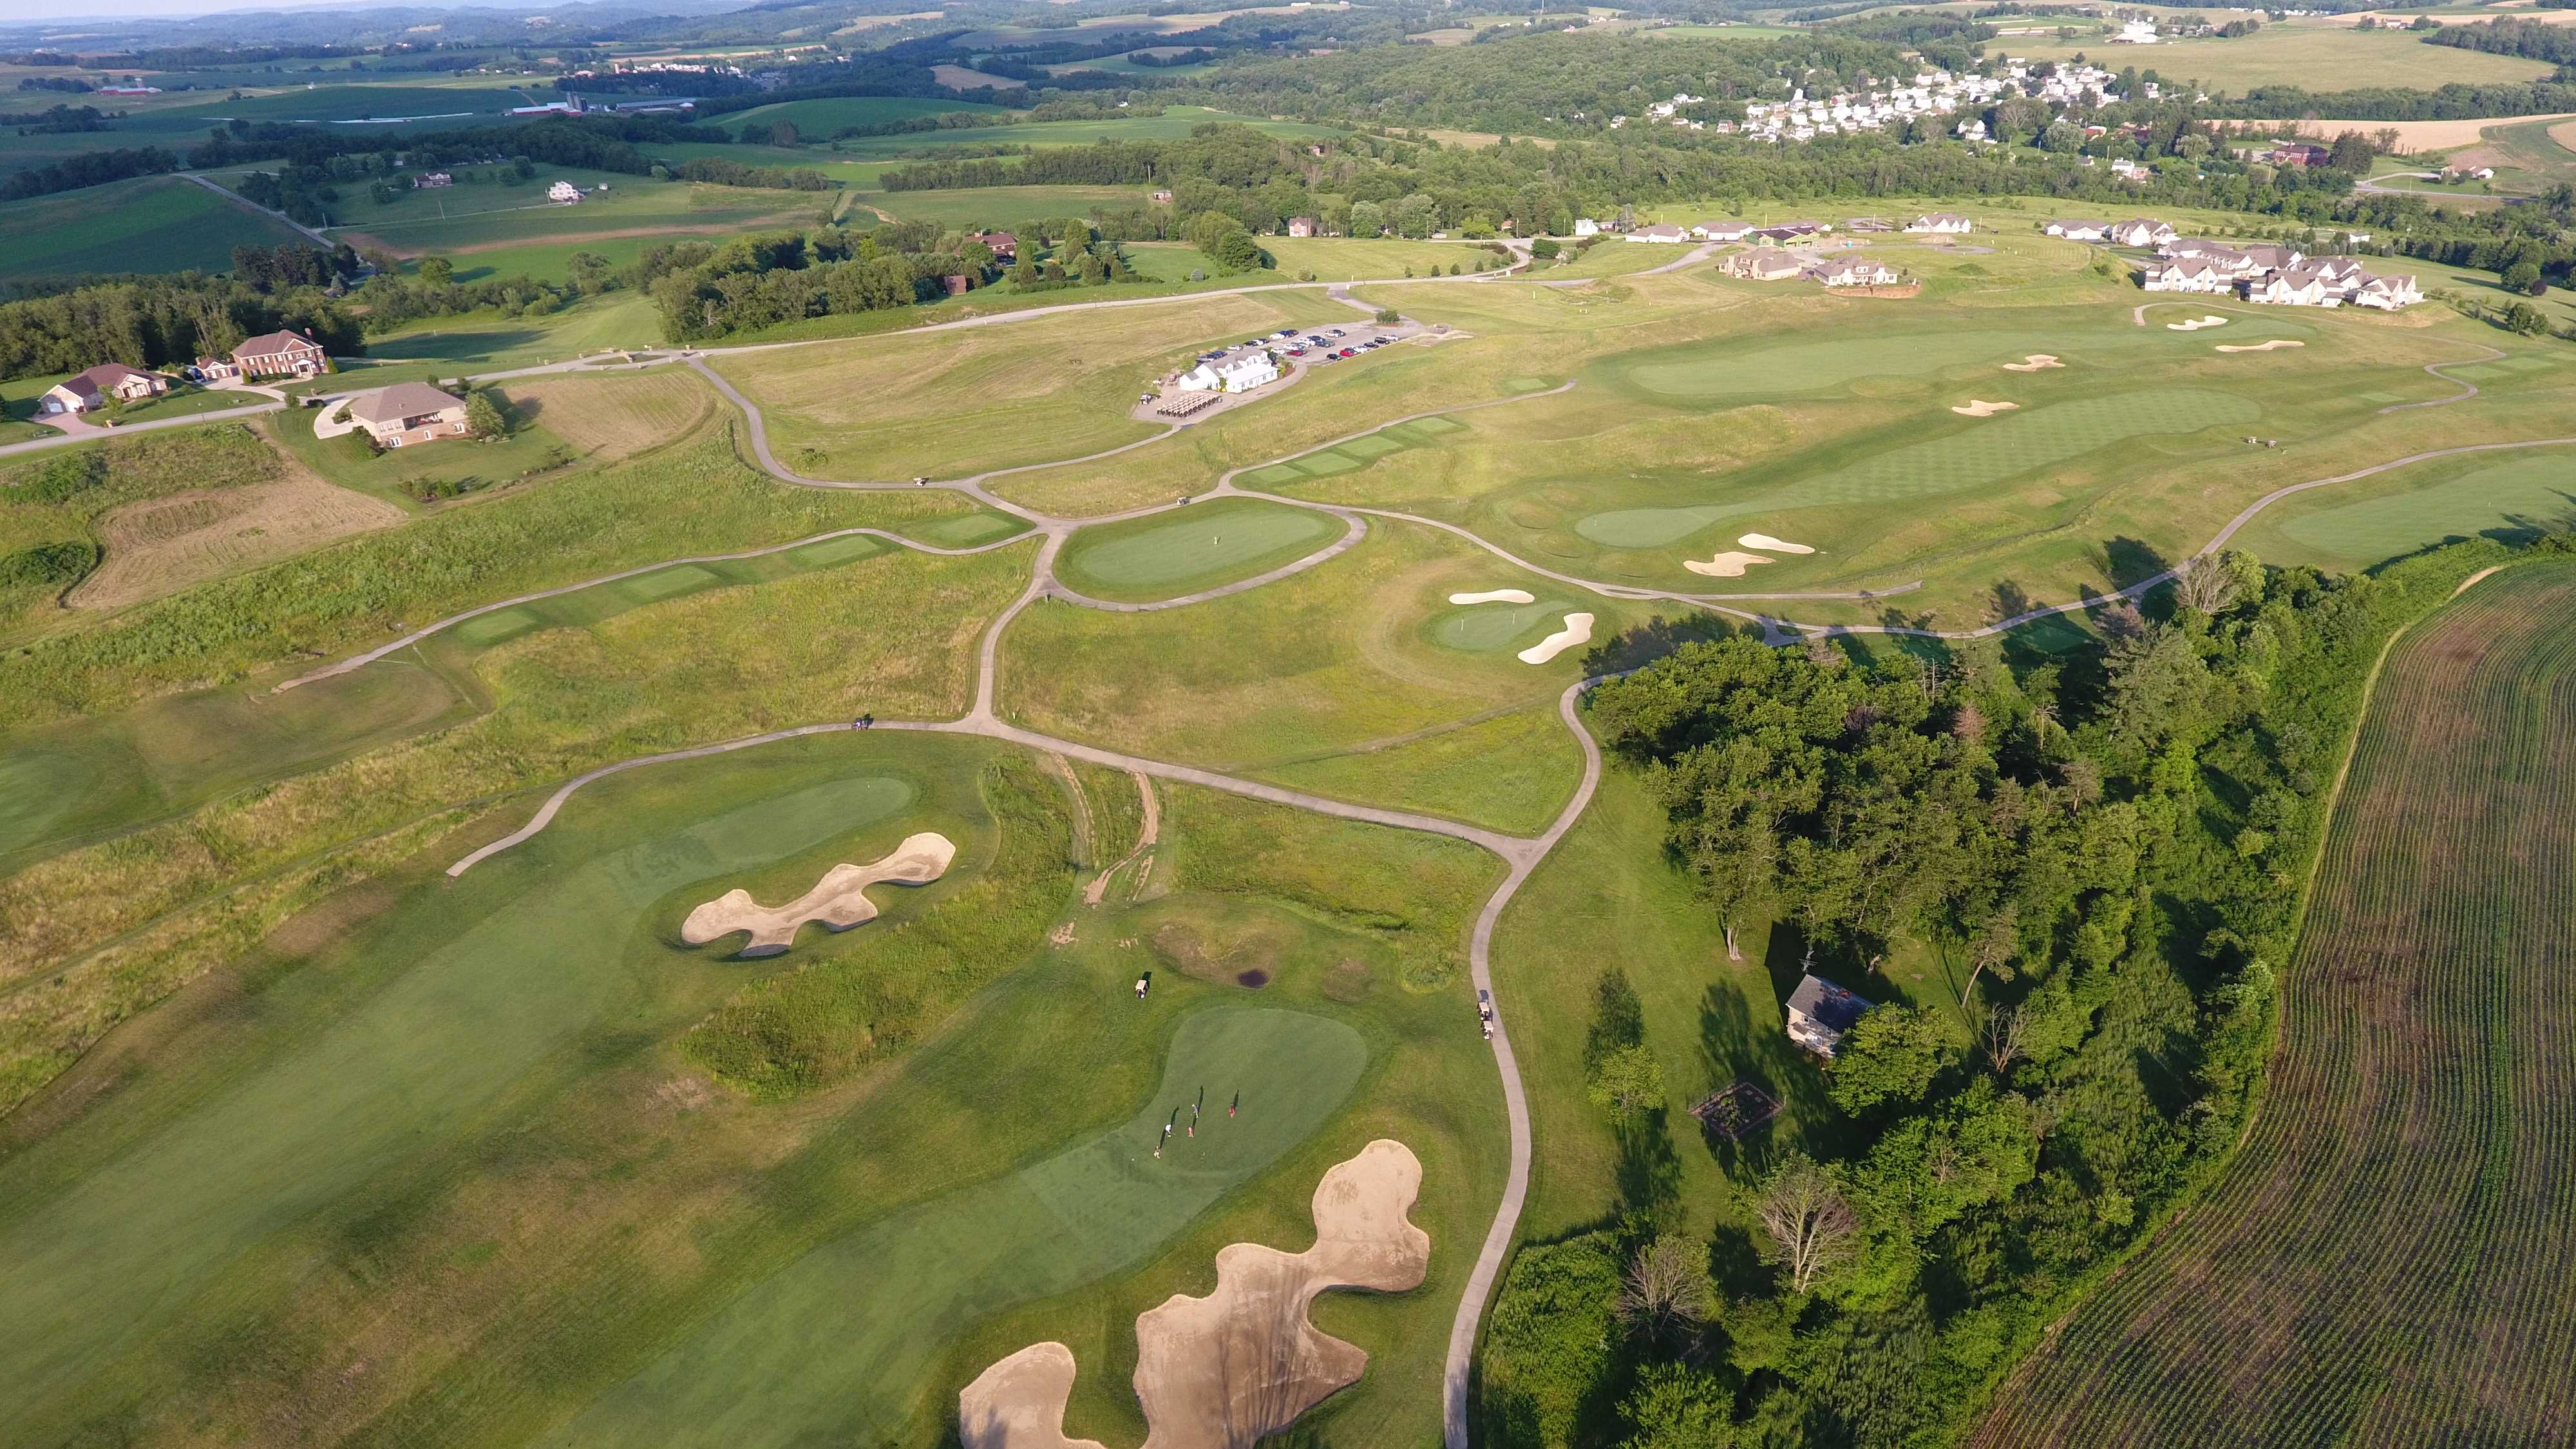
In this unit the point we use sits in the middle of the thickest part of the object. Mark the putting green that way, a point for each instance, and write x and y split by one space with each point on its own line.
1375 445
529 962
2520 499
1327 463
1715 370
36 787
1188 549
1486 628
834 1348
1973 457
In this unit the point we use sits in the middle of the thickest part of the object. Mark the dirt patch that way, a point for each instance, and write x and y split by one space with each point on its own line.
1350 981
1018 1403
2259 346
1225 1371
1093 893
162 545
2411 135
1577 630
1496 596
1980 408
2035 362
1773 545
1245 953
838 901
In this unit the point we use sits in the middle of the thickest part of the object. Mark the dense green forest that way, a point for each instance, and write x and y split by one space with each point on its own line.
2114 845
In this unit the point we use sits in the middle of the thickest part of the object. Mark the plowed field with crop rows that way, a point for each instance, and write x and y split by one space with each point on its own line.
2390 1260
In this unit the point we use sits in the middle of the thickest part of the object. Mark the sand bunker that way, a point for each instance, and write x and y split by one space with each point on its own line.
1577 630
1980 408
837 900
1776 545
1496 596
2195 324
1227 1370
2033 363
2259 346
1726 565
1018 1403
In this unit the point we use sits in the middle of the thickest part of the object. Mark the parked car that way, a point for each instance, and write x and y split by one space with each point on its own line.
1348 352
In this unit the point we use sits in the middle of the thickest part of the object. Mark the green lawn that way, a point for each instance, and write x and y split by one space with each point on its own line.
151 223
1204 546
2515 497
488 341
817 119
460 221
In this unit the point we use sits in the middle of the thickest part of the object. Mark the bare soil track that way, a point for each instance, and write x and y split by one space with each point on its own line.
2388 1259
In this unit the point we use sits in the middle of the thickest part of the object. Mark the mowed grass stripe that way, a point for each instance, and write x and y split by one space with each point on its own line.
2386 1261
1974 457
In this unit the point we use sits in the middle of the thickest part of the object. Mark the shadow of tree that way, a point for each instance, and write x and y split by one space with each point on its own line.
2130 561
1650 1172
1642 644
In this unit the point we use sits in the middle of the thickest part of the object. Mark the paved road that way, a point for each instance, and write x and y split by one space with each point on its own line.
88 435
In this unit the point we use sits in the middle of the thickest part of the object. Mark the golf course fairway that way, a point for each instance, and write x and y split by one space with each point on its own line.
94 1261
834 1348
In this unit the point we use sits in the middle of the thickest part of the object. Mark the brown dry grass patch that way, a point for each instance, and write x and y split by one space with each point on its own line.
606 419
162 545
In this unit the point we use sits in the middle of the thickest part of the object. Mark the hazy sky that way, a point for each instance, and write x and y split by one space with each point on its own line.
69 16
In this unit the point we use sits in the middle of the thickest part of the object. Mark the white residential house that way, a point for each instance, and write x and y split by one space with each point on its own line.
2142 231
2136 32
1854 272
1820 1012
1586 226
2386 293
1722 231
1944 223
564 192
2188 274
2295 288
2128 170
1664 232
2079 230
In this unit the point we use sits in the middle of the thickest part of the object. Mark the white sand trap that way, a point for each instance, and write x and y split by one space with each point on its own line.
1776 545
1018 1403
2034 362
837 900
1726 565
1227 1370
2259 346
1980 408
1577 630
1496 596
2195 324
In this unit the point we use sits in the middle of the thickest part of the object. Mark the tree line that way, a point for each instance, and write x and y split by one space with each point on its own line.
2106 848
166 321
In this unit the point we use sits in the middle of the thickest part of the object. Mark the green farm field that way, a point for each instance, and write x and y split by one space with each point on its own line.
2412 1011
459 221
152 223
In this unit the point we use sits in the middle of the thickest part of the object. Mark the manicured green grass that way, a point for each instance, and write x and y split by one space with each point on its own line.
2517 499
149 224
1338 677
760 1373
487 341
1204 546
406 475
